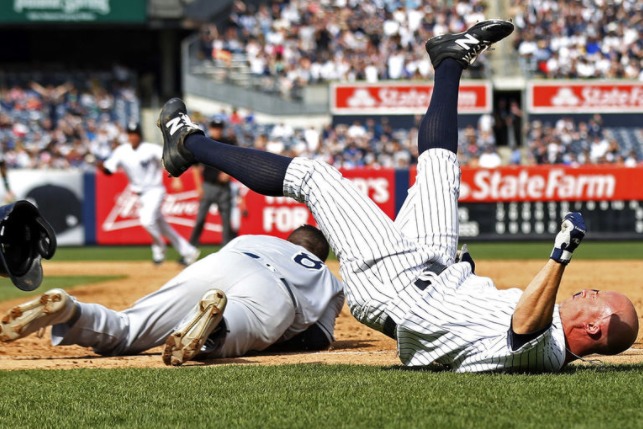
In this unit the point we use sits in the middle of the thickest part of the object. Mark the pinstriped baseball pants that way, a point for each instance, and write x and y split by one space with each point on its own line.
380 259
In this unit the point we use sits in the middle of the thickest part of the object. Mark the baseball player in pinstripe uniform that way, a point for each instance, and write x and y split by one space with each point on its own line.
403 277
141 162
256 292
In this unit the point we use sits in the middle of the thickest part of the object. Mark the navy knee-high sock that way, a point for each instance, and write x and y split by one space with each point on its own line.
263 172
439 126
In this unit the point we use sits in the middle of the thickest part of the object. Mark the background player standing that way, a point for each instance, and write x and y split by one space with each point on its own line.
403 277
141 162
9 196
213 187
255 292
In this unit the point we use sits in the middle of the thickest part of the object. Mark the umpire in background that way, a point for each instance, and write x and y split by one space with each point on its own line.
213 187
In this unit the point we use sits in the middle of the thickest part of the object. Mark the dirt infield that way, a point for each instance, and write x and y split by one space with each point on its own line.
355 344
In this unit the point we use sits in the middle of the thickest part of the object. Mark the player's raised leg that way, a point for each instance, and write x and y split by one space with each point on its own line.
430 214
355 227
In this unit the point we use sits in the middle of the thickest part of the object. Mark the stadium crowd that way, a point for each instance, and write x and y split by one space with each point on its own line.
50 124
54 123
579 39
290 44
71 125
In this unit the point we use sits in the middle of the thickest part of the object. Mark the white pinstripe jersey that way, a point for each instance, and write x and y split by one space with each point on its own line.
142 165
462 320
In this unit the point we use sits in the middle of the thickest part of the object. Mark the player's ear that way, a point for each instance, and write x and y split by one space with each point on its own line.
593 329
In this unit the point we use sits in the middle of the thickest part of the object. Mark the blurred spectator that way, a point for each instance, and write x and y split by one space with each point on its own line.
489 158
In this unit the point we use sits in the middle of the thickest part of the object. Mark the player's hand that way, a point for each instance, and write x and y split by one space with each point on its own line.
572 232
463 255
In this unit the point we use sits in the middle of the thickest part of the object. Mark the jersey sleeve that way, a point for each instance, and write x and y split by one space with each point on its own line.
113 161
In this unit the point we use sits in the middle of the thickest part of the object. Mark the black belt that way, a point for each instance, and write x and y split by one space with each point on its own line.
390 327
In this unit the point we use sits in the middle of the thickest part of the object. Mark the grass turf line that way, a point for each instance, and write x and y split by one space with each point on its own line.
8 291
316 396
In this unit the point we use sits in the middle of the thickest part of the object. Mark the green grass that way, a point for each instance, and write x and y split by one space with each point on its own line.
117 253
8 291
320 396
589 250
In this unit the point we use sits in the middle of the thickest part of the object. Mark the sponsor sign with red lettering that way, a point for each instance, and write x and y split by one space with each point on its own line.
117 211
403 98
585 97
278 216
544 183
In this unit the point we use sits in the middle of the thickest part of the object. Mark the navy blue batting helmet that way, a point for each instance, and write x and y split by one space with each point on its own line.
25 238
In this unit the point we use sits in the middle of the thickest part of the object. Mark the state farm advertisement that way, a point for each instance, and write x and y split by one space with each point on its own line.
543 183
403 98
117 211
278 216
585 97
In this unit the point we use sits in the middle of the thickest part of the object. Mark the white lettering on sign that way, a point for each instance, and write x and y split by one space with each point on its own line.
594 97
284 219
375 188
69 6
488 184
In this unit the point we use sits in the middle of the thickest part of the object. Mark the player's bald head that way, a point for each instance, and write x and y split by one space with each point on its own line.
312 239
622 324
602 322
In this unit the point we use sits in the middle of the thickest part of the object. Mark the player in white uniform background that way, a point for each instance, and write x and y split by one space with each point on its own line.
402 277
141 162
277 292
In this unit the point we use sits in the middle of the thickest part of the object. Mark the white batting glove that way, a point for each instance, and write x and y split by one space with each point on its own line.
572 231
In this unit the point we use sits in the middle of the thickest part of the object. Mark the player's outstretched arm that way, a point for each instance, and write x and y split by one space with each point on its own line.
535 308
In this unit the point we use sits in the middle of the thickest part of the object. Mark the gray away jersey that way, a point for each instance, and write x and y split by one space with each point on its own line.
319 296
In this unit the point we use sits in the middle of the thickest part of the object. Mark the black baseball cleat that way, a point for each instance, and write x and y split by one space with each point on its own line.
465 47
175 125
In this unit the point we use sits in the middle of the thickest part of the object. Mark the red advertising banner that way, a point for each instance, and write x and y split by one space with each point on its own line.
117 211
544 183
585 97
403 98
279 216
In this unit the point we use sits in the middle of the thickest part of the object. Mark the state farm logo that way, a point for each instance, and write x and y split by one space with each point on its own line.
361 98
553 185
178 209
405 98
589 97
565 97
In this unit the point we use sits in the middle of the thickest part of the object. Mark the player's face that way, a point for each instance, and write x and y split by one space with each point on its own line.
585 304
134 139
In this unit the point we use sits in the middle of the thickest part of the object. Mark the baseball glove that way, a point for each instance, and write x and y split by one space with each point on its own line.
25 238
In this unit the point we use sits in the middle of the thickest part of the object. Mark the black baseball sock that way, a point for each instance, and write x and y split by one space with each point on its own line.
263 172
439 126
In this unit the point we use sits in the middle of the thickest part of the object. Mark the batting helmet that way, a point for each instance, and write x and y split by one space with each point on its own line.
25 238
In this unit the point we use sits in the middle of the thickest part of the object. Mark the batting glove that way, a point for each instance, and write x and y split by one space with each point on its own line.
463 255
572 231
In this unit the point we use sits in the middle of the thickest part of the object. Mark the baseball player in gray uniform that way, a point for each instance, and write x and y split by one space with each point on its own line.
255 292
141 162
404 277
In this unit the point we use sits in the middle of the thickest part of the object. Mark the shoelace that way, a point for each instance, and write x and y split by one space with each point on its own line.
472 55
